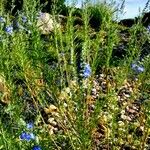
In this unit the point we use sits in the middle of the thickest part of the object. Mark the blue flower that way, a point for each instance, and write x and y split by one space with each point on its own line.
40 15
9 29
148 28
36 147
2 20
27 136
30 125
32 136
137 68
87 71
24 19
17 24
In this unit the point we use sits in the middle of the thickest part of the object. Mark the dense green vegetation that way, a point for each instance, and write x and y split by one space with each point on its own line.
83 86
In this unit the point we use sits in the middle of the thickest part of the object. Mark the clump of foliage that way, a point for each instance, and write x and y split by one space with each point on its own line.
13 6
65 90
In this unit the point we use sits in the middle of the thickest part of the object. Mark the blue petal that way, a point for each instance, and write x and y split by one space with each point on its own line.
87 71
9 29
137 68
30 125
36 147
133 66
27 136
22 136
140 69
24 19
32 136
2 20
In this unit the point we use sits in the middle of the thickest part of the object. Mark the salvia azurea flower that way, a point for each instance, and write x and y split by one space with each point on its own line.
24 19
36 147
40 15
87 71
30 125
27 136
2 20
137 68
9 29
148 28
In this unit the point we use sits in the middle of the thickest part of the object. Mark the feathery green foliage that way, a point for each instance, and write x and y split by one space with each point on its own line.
69 84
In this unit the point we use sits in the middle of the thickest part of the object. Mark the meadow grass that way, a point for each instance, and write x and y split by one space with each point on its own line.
62 90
